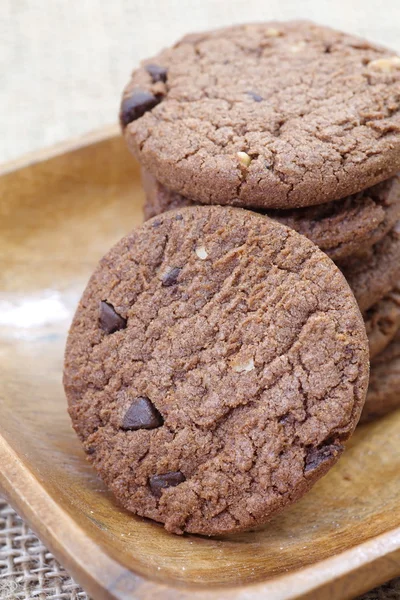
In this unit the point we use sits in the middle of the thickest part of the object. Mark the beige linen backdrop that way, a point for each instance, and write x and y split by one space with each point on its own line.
63 64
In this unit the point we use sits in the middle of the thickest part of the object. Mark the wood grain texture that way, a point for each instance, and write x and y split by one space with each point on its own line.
59 212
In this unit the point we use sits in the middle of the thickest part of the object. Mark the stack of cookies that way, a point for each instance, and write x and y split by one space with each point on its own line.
295 121
218 360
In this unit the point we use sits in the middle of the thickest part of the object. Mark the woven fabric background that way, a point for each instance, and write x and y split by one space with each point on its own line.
63 66
27 569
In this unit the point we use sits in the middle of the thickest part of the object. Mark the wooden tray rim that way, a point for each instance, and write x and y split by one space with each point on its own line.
108 579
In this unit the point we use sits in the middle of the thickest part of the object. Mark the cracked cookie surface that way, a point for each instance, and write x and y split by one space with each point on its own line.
216 365
382 322
377 271
384 387
340 228
270 115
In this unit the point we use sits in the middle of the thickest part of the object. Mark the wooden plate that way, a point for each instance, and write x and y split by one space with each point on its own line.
60 211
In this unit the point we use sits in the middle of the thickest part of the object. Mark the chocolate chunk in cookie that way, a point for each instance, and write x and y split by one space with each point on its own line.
142 414
157 73
110 321
256 97
318 456
256 360
136 105
170 277
317 112
158 483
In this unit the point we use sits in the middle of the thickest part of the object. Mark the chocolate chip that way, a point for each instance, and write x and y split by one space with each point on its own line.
316 456
90 450
157 73
256 97
178 218
156 224
110 321
160 482
170 277
142 414
135 105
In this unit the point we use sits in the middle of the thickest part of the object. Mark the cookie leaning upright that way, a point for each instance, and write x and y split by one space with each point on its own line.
215 366
272 115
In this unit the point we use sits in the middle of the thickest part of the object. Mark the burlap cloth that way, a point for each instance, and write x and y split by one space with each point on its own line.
28 570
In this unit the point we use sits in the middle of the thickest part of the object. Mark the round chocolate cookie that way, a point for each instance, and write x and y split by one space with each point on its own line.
269 115
340 228
372 275
384 387
382 322
216 364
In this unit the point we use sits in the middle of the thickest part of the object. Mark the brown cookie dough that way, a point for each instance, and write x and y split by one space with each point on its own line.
159 199
269 115
341 228
384 387
382 322
372 275
216 364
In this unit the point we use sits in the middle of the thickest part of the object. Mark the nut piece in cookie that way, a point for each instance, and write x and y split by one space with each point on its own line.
385 65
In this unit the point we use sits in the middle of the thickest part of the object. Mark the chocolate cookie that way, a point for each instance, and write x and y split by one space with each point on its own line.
269 115
341 228
384 387
215 366
159 199
382 322
374 274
